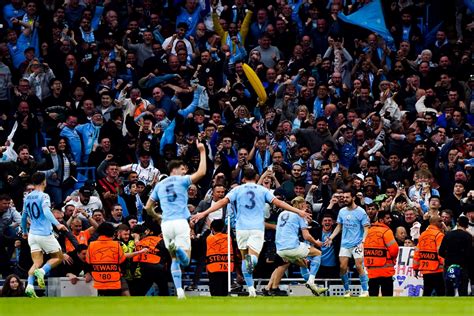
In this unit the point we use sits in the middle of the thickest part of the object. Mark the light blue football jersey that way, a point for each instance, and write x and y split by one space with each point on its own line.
172 193
249 203
288 228
37 206
353 223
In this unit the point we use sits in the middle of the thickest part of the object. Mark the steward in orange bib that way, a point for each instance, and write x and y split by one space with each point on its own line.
105 256
154 264
216 259
380 255
428 261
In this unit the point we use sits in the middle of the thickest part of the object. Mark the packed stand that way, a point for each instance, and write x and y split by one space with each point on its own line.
101 95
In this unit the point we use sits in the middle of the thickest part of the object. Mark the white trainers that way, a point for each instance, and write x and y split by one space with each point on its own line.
347 293
317 291
180 294
252 292
364 294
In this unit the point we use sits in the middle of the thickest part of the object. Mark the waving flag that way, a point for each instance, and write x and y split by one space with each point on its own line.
370 17
430 37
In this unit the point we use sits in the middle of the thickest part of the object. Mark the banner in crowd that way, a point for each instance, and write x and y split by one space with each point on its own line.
405 283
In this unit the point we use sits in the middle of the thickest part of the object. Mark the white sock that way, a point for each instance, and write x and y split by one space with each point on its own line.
311 279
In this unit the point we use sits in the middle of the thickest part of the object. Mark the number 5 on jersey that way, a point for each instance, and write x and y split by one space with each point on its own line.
171 194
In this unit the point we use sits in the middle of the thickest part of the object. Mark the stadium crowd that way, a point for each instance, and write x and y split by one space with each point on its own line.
101 95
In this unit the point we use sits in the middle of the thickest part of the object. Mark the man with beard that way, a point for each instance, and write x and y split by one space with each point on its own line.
280 168
354 224
315 137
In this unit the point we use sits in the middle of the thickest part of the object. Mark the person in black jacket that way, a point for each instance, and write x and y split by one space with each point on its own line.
202 229
457 251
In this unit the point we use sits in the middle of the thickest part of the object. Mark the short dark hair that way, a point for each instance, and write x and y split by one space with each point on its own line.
38 178
80 248
463 221
300 183
123 227
154 227
249 174
106 229
434 197
112 164
218 225
348 190
4 197
98 210
22 147
382 214
173 164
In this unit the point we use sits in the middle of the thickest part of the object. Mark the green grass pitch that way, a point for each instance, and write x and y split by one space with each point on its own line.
288 306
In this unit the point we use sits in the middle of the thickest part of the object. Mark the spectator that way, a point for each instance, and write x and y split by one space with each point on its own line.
13 287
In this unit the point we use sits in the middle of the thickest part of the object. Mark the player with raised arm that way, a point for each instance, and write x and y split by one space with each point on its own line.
37 207
249 200
173 196
354 224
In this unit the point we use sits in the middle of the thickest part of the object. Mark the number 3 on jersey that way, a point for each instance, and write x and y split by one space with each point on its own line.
171 194
251 196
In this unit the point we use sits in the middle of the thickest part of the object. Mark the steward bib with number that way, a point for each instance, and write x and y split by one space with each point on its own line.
105 256
216 254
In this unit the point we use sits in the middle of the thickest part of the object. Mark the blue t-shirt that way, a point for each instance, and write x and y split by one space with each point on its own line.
37 207
328 256
353 223
173 196
287 232
249 200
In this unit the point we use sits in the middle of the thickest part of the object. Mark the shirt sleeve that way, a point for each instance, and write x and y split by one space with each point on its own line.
187 181
47 210
232 195
365 219
339 218
303 224
269 196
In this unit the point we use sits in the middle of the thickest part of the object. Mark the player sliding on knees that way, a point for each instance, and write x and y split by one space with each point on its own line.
37 207
249 199
290 249
173 196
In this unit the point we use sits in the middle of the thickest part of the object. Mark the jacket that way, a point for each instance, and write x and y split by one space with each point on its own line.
105 256
217 253
380 251
426 258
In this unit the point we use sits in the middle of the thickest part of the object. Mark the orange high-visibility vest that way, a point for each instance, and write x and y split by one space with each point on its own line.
153 254
216 254
380 251
82 239
426 258
105 256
